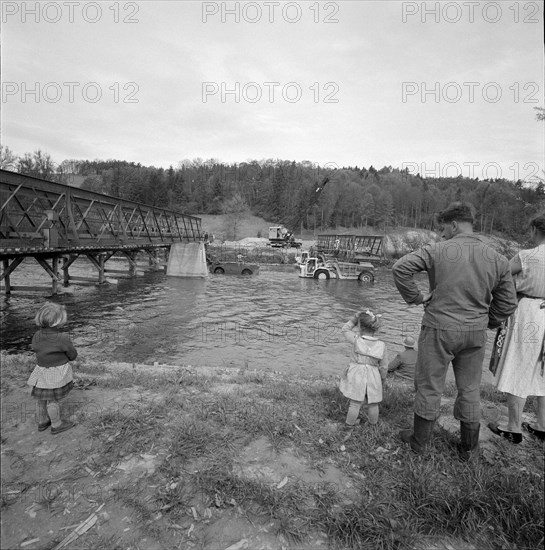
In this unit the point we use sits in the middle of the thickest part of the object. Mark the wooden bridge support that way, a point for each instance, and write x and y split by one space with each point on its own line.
8 270
54 263
154 262
68 261
131 257
51 270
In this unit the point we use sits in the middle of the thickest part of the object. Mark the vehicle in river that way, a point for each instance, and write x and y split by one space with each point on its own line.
233 268
324 268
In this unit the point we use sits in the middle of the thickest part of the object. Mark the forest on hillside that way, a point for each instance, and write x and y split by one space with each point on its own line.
283 191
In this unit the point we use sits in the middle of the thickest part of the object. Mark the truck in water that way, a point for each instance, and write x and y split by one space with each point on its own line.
322 267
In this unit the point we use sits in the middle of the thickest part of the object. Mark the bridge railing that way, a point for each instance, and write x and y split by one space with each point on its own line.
41 213
351 247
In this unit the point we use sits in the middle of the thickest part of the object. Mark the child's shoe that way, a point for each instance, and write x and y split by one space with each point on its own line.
348 430
44 426
65 425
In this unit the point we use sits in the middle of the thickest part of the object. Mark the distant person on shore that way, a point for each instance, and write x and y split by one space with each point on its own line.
402 366
362 379
52 379
520 365
471 288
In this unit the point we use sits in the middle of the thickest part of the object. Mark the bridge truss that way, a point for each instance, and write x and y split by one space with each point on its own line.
55 223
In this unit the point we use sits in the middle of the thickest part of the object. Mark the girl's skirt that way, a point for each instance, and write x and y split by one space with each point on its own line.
52 384
361 380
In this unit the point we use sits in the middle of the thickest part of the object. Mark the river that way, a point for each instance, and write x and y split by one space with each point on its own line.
272 321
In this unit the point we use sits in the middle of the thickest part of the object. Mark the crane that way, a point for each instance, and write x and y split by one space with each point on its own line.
282 237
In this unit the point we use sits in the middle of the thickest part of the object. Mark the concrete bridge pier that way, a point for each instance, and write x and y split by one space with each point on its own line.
187 260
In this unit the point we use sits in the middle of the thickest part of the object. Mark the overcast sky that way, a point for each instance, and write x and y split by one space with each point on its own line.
346 83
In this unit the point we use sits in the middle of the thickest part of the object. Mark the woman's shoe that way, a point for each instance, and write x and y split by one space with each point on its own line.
44 426
512 437
538 433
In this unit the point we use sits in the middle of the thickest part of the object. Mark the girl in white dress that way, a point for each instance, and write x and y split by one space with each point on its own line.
362 379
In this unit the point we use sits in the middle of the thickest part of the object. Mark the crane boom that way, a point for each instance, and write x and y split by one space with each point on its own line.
282 236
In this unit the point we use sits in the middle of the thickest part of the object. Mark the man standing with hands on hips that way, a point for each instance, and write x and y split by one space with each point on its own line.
471 288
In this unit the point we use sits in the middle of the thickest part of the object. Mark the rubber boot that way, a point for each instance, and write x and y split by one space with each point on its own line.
469 436
420 436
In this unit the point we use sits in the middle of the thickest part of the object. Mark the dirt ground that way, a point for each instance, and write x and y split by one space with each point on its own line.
52 484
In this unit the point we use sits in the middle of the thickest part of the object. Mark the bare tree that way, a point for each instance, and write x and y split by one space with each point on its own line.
39 165
235 209
8 160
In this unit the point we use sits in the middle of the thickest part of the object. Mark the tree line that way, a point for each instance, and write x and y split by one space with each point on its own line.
284 191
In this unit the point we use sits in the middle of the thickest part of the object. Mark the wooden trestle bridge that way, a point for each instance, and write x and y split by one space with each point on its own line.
56 224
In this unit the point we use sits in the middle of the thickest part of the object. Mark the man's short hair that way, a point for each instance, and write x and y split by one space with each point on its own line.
457 212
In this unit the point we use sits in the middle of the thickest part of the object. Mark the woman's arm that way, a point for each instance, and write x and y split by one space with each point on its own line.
515 264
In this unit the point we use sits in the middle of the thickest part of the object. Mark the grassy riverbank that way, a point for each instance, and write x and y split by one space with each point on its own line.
213 458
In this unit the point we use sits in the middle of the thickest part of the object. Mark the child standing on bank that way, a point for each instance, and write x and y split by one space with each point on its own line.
362 379
52 378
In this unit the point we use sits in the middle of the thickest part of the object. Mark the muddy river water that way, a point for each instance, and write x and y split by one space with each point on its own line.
273 321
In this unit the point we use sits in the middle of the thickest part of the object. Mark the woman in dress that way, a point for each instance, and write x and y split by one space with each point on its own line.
520 370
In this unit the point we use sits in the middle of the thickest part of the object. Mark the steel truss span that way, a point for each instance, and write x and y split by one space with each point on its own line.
47 220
